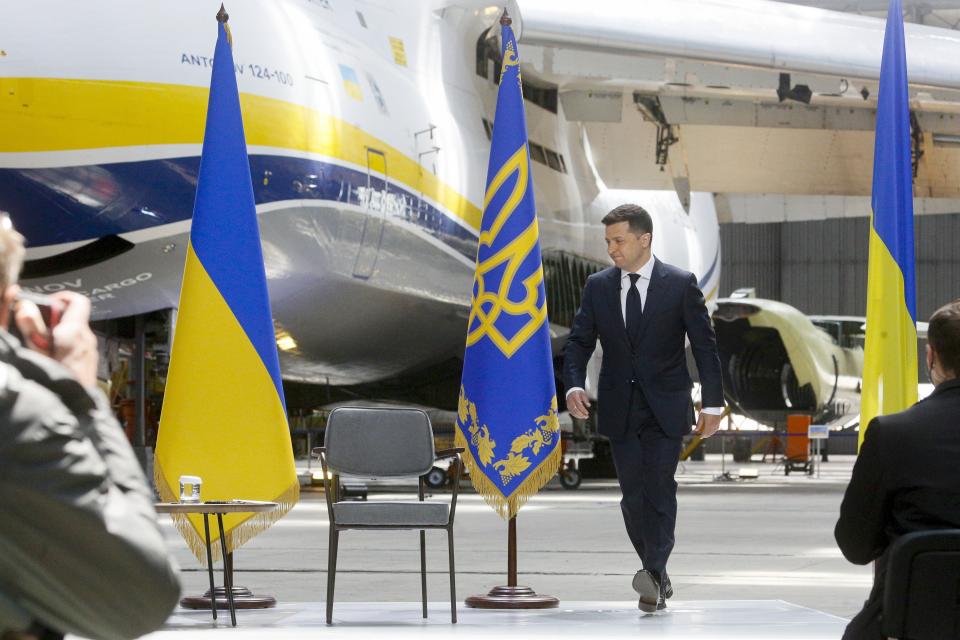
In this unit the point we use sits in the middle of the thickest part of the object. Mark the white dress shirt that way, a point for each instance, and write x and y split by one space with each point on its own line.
643 283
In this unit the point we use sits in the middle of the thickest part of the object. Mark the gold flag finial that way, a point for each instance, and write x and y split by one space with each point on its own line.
505 19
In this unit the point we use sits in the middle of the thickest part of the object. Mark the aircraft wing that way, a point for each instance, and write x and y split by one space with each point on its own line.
787 91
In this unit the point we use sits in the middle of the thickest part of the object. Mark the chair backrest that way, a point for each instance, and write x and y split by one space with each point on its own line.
379 442
921 598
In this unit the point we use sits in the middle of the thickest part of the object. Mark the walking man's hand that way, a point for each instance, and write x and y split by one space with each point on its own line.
707 425
578 404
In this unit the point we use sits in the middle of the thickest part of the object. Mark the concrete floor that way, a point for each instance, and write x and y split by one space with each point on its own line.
685 620
767 539
754 559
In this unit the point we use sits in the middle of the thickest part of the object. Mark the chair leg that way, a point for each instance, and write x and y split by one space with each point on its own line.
331 570
453 578
423 570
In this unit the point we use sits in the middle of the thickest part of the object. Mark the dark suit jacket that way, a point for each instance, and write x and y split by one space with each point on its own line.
655 358
906 478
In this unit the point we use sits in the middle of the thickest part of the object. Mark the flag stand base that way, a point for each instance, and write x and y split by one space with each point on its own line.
243 598
507 597
511 596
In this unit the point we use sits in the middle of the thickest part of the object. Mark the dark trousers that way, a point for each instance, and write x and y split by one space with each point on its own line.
646 459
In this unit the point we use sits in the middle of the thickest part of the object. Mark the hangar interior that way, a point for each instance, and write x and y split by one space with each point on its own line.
369 129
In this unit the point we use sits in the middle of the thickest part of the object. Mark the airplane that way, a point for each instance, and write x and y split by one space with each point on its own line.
778 361
786 93
368 127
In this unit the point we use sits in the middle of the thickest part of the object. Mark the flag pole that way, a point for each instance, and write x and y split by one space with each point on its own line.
512 552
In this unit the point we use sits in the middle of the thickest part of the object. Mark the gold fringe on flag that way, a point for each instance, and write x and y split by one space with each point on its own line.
239 534
536 480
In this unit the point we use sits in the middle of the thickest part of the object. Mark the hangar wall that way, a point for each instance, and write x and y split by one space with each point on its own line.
820 266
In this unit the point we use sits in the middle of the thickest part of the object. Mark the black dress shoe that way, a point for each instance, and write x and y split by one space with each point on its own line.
664 581
646 584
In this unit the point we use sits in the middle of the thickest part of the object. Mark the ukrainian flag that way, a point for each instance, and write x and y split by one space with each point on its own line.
507 419
890 354
350 83
223 413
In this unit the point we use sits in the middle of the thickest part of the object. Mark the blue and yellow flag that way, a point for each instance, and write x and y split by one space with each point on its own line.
507 418
350 83
890 354
224 417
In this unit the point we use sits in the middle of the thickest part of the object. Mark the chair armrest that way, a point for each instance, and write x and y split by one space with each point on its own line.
331 482
446 453
457 466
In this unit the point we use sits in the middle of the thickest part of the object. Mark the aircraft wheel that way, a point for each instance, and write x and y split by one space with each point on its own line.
435 478
570 479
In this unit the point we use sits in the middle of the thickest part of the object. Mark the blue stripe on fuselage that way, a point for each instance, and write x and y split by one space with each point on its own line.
68 204
716 261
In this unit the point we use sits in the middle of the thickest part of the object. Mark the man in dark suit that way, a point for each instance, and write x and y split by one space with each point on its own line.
641 310
906 477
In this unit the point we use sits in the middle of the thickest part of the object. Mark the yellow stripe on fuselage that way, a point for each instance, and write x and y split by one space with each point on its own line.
53 114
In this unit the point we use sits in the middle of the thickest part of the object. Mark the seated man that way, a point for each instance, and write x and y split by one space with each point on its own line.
907 477
80 549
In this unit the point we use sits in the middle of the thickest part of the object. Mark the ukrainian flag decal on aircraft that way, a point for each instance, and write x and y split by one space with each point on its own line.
224 417
507 420
350 82
890 353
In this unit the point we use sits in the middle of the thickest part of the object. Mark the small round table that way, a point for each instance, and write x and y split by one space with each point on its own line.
217 507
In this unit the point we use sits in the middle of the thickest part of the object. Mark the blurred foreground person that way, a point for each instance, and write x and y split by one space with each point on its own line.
80 549
907 477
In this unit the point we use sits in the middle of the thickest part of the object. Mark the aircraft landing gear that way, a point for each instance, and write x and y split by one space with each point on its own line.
570 477
436 478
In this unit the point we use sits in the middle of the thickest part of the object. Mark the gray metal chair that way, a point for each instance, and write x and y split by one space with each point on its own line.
385 443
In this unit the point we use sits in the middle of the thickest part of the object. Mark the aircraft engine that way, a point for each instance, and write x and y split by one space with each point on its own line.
777 361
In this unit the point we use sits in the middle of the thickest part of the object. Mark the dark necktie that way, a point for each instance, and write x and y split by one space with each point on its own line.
634 307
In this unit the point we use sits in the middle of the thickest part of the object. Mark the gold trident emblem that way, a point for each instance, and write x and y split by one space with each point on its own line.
510 59
489 305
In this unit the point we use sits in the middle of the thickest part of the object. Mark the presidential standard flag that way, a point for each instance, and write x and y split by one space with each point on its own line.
890 354
223 413
507 419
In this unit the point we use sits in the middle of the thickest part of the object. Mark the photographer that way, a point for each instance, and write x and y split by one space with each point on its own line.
80 549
